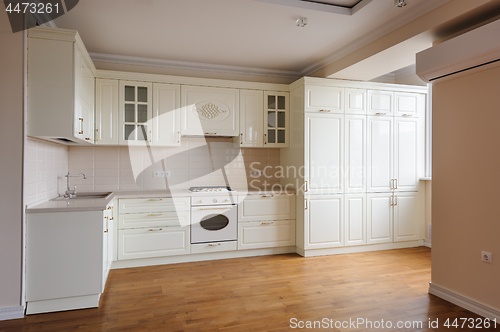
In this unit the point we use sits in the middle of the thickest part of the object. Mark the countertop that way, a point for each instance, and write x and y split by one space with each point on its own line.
100 204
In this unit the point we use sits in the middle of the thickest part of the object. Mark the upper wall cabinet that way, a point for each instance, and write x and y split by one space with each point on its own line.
324 99
135 112
106 112
409 104
208 111
355 101
166 129
276 119
251 118
380 102
60 87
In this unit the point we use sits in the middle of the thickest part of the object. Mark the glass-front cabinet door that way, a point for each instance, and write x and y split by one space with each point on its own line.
135 112
276 119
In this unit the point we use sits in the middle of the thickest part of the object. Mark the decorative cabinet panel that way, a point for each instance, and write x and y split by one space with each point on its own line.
209 111
106 112
380 102
276 119
266 234
355 101
409 104
153 242
135 100
355 153
379 218
380 157
323 221
60 87
324 99
251 118
166 123
266 207
406 226
324 153
355 219
163 219
153 205
407 149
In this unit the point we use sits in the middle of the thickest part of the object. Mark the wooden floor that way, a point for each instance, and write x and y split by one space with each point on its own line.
260 294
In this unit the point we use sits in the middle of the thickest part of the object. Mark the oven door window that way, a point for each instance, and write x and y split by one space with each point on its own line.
214 222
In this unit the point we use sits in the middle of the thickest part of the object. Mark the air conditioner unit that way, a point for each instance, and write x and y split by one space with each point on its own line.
474 49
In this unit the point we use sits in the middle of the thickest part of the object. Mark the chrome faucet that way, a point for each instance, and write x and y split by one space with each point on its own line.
70 193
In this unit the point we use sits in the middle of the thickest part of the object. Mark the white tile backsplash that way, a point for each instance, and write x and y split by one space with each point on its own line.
113 168
46 164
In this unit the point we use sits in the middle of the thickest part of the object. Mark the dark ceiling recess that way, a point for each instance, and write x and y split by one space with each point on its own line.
337 3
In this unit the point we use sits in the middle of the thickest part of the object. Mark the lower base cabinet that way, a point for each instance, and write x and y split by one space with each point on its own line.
380 218
266 234
406 226
355 219
153 242
202 248
323 221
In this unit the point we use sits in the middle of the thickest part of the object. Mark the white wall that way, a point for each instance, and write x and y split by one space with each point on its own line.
11 163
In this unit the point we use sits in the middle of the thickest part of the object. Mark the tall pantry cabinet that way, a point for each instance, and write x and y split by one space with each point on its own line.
361 148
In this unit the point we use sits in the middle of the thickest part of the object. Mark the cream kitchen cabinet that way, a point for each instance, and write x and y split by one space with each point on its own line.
355 101
324 153
408 153
251 118
276 119
209 111
68 257
106 112
406 226
153 227
355 219
380 218
166 123
409 104
60 87
324 99
266 234
380 102
380 156
355 153
266 207
135 112
323 221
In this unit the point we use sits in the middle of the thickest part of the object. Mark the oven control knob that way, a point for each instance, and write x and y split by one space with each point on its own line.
215 200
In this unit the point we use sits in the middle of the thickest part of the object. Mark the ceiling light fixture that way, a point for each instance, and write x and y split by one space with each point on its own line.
301 22
400 3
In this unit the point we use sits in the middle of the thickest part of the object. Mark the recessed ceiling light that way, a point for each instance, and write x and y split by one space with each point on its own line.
400 3
301 22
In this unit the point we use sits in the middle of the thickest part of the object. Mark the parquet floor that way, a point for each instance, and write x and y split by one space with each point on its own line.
262 294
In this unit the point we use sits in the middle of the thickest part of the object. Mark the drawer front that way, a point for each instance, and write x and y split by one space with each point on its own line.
165 219
266 207
266 234
153 242
201 248
137 205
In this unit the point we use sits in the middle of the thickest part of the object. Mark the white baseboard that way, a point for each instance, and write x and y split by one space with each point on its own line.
11 313
69 303
201 257
427 243
464 302
362 248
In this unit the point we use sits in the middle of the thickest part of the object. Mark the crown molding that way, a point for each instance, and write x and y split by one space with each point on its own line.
319 6
186 65
418 11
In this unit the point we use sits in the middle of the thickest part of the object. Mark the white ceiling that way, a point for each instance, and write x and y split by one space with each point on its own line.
242 33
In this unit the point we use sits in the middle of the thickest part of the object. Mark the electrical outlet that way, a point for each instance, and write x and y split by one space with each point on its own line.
487 257
161 174
255 174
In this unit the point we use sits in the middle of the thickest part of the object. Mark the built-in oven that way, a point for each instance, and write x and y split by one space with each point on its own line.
214 218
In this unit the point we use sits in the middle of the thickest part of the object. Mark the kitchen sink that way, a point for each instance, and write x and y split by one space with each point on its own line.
91 195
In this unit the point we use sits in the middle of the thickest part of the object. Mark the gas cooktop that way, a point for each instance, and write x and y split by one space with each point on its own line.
210 189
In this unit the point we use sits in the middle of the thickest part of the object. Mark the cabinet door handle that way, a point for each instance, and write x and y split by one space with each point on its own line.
214 244
272 195
154 215
380 113
265 138
152 200
324 111
305 186
407 114
392 200
267 223
306 205
395 183
210 133
392 184
111 218
395 199
155 230
178 137
81 126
